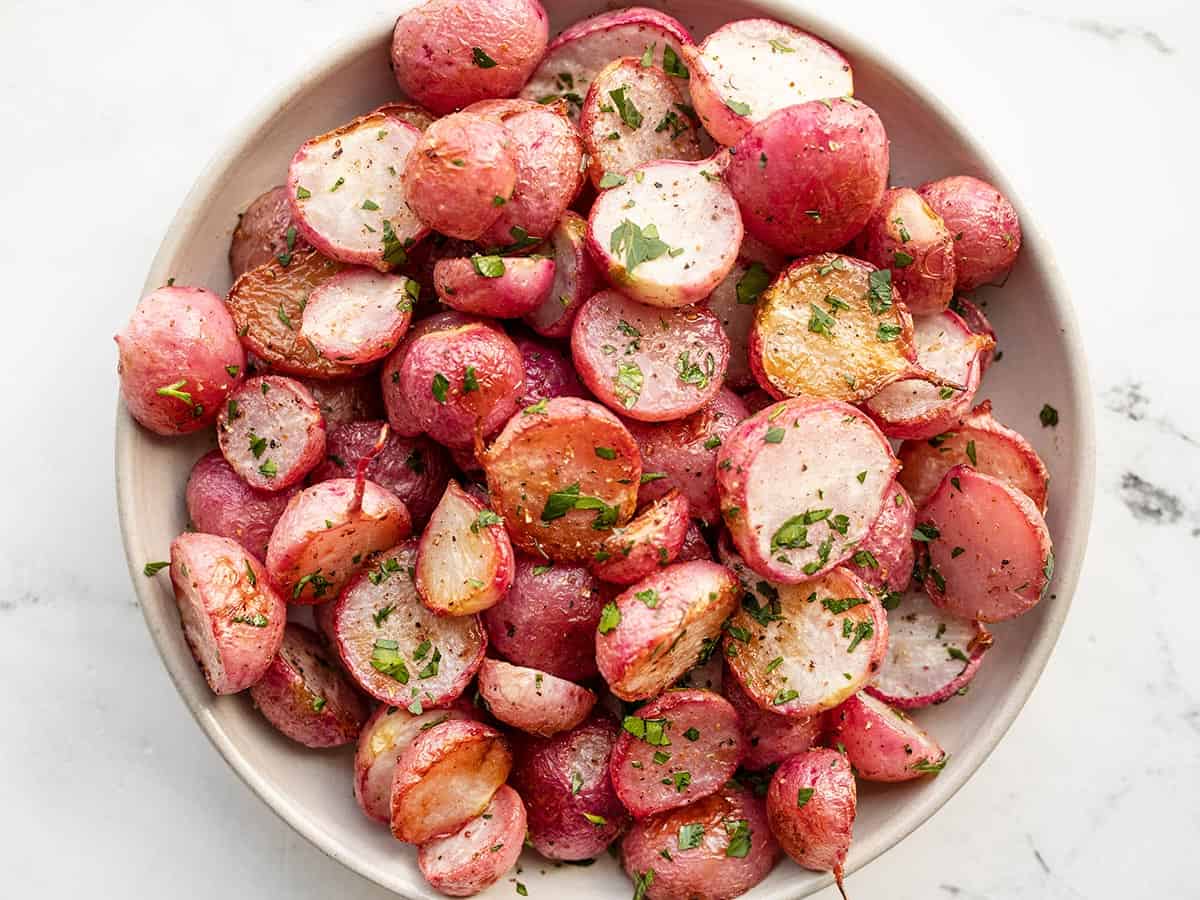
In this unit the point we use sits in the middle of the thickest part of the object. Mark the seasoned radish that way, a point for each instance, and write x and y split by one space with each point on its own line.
668 235
913 409
359 315
493 285
576 813
574 279
801 483
397 650
830 326
733 301
271 432
462 171
306 696
975 319
931 654
399 410
649 541
717 848
558 495
479 853
412 113
576 56
769 738
884 558
346 399
748 69
674 750
811 805
785 167
178 358
883 744
548 371
465 563
533 701
985 444
548 618
449 53
220 502
989 552
800 649
265 231
446 777
987 233
658 628
329 529
344 188
695 546
634 114
682 455
232 615
647 363
381 743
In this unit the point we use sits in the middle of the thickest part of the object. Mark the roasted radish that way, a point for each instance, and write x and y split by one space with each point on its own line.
265 231
359 315
480 852
503 288
574 278
535 702
883 744
811 805
271 432
548 371
650 540
768 737
884 558
220 502
987 233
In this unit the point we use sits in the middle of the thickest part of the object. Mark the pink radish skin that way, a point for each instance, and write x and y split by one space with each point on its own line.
359 315
548 372
575 279
986 231
535 702
271 432
400 414
884 559
262 232
1006 562
769 738
478 854
346 399
883 744
811 805
700 740
522 286
695 546
757 400
232 616
975 319
305 696
178 359
650 540
733 302
219 502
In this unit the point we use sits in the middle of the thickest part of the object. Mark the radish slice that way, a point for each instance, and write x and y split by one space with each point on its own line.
884 559
974 318
535 702
651 540
734 302
359 315
931 654
811 805
883 744
478 854
494 286
668 235
769 738
345 191
271 432
574 279
414 114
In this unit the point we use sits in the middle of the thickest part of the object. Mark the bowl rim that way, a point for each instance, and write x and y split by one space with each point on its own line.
1075 535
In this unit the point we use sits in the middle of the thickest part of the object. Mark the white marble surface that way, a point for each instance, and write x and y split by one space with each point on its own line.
108 787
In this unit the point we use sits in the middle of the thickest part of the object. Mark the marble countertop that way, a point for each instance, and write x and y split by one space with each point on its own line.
111 109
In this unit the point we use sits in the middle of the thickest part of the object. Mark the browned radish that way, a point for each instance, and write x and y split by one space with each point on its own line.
533 701
695 545
271 432
800 649
359 315
396 649
465 563
674 750
306 696
265 231
479 853
503 288
232 616
987 232
446 777
884 558
801 483
989 555
811 805
220 502
651 540
658 628
883 744
769 738
574 278
414 114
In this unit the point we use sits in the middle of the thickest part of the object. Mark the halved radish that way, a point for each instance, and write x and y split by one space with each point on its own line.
884 558
674 750
548 371
805 648
811 805
914 409
306 696
574 278
801 483
668 235
989 552
232 615
265 231
883 744
650 540
479 853
399 410
769 738
533 701
658 628
465 563
414 114
973 317
649 363
987 232
271 432
220 502
359 315
345 191
985 444
634 114
397 650
748 69
446 777
931 654
734 301
493 285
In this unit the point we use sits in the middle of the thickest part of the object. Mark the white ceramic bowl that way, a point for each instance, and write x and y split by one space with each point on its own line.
1043 362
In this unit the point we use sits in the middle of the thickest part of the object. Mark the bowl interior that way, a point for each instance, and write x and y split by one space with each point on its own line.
1042 363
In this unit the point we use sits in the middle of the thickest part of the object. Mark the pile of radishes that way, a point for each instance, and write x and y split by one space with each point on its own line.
507 363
